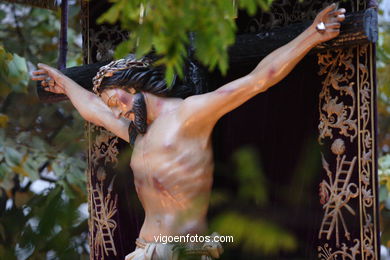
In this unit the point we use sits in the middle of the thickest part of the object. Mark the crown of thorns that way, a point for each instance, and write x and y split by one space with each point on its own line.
114 66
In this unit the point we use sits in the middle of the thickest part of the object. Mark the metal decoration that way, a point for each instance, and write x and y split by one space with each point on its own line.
340 190
104 42
102 202
347 128
334 114
367 167
103 151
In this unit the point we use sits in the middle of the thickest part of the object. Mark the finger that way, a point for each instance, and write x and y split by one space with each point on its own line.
44 83
39 72
52 83
334 30
340 17
332 25
49 88
336 19
58 89
338 12
38 78
47 68
43 66
328 9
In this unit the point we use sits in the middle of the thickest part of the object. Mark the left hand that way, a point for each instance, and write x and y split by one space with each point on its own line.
52 80
331 17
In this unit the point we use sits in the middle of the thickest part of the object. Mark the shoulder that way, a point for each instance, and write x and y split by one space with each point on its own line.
194 115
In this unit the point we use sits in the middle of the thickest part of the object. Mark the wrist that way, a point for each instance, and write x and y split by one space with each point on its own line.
63 85
313 36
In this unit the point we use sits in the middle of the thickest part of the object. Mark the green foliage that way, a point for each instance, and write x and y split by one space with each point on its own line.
255 235
36 33
383 70
37 224
384 197
26 154
252 186
255 232
384 180
383 77
13 73
164 26
40 144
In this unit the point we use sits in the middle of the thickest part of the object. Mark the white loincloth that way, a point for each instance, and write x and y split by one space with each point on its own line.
169 251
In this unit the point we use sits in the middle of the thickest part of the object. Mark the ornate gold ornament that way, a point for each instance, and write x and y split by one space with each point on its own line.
325 252
104 147
346 117
366 154
102 206
99 45
334 114
105 209
340 191
105 40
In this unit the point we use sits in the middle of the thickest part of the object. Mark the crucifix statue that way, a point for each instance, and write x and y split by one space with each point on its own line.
170 131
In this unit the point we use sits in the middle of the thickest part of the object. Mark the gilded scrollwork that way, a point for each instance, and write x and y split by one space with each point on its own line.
98 45
103 201
105 209
339 191
334 113
366 153
325 252
105 40
104 147
346 115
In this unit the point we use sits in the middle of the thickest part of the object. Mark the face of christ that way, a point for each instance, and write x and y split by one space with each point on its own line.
120 102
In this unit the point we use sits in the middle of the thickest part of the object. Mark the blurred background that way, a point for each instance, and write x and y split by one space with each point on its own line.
43 209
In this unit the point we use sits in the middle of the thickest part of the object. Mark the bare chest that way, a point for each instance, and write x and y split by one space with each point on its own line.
165 155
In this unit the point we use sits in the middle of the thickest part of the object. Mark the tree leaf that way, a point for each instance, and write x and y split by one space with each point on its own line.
3 120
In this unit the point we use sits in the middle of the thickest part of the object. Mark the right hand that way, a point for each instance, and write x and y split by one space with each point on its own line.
331 17
52 80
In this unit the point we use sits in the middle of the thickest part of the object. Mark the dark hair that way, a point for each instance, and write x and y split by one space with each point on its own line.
128 74
147 79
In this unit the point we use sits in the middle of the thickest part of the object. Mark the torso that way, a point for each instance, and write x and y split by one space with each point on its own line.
173 178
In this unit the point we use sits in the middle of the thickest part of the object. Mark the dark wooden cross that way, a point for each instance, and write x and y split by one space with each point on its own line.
357 28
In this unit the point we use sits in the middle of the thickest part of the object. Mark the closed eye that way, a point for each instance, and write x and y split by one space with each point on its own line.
112 102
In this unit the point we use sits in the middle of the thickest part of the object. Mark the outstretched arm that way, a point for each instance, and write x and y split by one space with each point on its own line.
208 108
89 105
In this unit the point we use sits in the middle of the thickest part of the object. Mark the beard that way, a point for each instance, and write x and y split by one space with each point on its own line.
138 125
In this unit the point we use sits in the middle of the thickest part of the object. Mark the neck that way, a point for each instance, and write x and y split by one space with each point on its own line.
156 106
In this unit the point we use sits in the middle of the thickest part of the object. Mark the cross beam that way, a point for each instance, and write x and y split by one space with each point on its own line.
358 28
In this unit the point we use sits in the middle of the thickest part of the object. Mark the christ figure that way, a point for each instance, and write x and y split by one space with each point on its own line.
170 131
